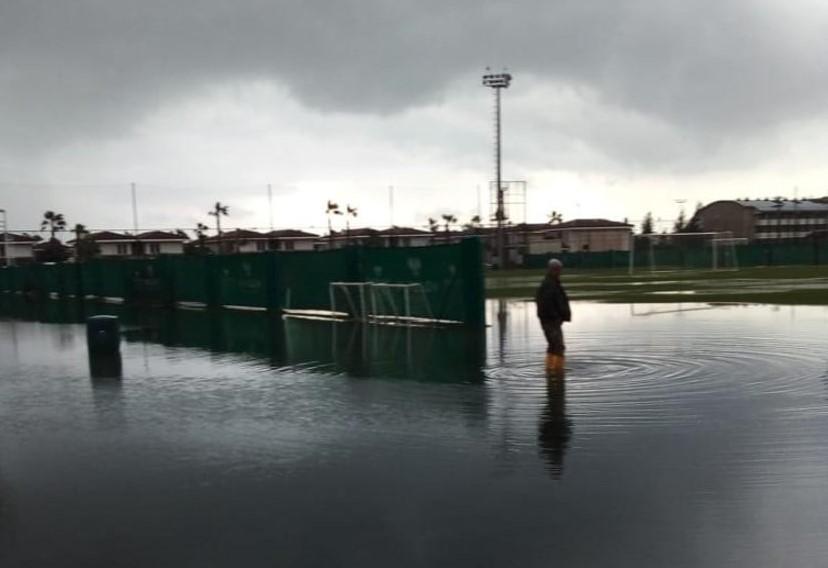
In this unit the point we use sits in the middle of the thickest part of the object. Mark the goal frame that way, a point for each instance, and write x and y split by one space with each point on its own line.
715 238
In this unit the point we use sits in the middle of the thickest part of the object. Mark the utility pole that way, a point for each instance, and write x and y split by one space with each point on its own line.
134 209
270 204
391 205
498 81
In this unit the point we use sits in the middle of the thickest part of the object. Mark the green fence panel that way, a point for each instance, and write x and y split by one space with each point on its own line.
244 280
70 278
192 279
90 278
5 277
303 277
452 284
114 277
32 278
148 281
821 252
51 278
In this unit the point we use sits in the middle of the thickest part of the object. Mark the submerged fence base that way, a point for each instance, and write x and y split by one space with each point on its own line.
448 279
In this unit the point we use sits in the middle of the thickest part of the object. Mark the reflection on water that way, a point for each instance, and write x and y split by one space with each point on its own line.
453 354
555 428
682 435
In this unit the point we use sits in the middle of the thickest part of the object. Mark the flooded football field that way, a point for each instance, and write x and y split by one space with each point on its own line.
682 435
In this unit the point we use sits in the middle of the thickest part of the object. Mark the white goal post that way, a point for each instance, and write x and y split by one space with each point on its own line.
722 246
380 301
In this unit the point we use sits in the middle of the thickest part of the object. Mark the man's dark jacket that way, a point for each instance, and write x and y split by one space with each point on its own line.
552 302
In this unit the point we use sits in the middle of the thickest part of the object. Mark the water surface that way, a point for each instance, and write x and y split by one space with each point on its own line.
684 435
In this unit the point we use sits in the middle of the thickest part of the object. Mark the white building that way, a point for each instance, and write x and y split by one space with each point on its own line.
291 239
20 247
388 238
153 243
238 241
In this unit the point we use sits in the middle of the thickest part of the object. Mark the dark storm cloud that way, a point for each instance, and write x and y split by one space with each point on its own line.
710 69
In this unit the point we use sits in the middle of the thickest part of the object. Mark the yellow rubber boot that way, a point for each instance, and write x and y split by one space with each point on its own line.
552 364
559 365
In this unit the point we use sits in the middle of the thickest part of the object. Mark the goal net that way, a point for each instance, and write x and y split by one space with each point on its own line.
678 251
380 302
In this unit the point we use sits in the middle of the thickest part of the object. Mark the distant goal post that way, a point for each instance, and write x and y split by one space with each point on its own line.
669 251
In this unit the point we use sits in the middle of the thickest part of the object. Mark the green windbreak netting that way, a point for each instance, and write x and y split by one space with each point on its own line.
192 278
113 278
243 280
51 278
90 278
303 278
148 281
450 275
448 279
5 278
70 278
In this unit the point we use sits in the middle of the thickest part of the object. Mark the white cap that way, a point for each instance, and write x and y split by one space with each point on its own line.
555 263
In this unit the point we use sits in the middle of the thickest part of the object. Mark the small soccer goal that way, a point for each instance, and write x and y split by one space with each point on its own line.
677 251
381 302
724 252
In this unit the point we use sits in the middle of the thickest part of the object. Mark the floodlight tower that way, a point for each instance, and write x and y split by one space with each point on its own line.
498 81
4 227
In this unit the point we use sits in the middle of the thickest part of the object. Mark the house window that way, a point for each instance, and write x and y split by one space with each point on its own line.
122 249
261 246
288 245
155 248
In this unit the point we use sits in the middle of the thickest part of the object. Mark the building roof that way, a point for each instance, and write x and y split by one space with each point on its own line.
238 235
591 224
109 236
290 234
402 232
360 232
161 236
785 205
19 238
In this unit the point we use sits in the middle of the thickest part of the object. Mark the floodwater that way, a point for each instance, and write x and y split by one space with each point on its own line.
683 435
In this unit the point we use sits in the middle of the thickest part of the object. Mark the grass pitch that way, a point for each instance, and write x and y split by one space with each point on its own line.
767 285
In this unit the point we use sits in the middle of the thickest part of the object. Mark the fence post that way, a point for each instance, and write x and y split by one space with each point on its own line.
273 282
474 296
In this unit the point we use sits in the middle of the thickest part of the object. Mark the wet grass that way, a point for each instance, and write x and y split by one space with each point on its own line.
807 285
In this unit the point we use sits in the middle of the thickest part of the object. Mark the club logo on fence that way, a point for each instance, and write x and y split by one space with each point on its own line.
415 265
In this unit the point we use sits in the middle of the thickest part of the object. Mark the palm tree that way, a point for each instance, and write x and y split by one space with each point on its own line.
54 222
331 209
448 221
80 241
555 217
647 224
473 224
349 212
217 212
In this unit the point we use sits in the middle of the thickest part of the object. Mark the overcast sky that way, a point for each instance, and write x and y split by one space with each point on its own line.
616 108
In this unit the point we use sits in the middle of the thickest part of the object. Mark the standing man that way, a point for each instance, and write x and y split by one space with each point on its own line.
553 310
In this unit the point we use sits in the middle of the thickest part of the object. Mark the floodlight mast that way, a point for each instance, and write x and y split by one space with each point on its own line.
498 81
4 226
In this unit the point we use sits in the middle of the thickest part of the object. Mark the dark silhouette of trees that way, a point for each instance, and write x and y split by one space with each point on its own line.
53 222
217 212
647 224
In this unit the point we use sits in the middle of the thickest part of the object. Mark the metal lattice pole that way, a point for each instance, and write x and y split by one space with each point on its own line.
498 81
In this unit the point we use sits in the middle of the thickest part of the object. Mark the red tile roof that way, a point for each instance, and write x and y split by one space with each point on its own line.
18 238
105 236
238 235
161 236
290 234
